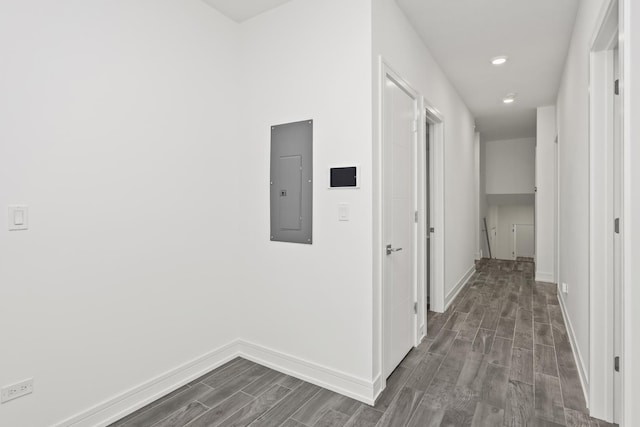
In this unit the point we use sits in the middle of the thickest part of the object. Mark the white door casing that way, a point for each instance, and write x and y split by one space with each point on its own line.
400 130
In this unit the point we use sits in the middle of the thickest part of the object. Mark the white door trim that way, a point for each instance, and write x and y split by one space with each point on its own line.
427 112
600 383
388 72
436 181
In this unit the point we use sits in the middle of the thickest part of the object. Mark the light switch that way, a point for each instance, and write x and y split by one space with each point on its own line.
343 212
18 218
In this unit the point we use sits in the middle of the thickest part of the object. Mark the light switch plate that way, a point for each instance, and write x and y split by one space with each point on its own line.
343 212
18 217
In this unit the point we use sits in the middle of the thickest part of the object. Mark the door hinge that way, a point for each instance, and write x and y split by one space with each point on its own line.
616 363
616 87
414 125
415 308
415 216
616 225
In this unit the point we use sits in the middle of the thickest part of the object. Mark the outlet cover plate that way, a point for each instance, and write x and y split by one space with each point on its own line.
16 390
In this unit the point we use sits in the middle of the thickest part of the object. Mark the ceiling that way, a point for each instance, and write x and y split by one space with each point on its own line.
463 36
241 10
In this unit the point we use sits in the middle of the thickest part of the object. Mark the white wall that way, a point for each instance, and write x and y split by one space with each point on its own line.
400 46
118 129
302 61
139 138
546 194
573 157
510 166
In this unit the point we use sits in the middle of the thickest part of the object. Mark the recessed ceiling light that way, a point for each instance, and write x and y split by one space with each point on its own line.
499 60
509 99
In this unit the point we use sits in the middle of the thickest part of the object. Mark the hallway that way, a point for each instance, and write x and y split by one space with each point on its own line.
499 356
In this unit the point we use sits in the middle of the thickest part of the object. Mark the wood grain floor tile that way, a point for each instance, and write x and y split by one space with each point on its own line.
434 326
443 342
545 360
216 415
506 328
402 408
365 417
519 409
220 377
168 407
548 399
487 415
332 418
283 410
522 366
542 334
292 423
263 383
427 416
315 407
231 387
257 407
483 341
183 415
490 319
495 386
501 352
125 420
290 382
395 382
578 419
456 321
422 376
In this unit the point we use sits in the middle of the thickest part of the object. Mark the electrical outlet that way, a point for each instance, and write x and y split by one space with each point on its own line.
16 390
565 288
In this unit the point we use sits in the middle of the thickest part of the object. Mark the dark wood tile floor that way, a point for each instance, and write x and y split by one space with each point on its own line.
499 356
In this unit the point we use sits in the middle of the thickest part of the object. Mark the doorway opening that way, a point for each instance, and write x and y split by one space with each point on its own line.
431 218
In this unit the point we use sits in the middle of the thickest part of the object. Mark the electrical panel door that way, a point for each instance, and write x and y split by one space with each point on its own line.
291 182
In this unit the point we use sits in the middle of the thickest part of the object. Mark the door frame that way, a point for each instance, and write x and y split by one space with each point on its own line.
600 382
426 111
515 238
389 73
436 213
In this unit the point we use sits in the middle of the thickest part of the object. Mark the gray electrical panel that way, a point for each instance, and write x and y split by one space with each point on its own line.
291 182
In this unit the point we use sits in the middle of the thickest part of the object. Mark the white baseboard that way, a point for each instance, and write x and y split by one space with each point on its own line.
340 382
545 277
130 401
456 290
377 387
479 255
577 355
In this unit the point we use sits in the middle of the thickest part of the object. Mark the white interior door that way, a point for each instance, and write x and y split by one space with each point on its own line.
524 240
399 144
617 241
